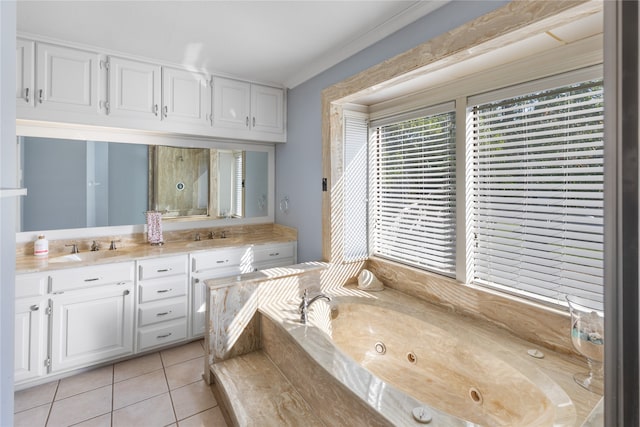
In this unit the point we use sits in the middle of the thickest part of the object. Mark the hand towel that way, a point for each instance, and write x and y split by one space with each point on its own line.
154 227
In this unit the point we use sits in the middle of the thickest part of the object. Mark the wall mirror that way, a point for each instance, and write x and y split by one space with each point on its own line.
75 184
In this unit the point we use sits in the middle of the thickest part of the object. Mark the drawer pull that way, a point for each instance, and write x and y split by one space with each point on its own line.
163 270
35 307
162 291
164 313
92 280
163 336
274 254
222 261
122 283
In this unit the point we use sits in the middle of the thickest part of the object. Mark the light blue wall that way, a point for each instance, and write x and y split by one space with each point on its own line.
299 161
128 183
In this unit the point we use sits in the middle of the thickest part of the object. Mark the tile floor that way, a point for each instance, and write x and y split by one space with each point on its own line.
160 389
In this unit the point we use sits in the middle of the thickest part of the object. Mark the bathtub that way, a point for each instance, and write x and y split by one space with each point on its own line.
398 357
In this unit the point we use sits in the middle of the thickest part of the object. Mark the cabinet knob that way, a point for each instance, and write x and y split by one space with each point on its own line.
26 95
40 95
196 280
35 307
165 111
254 122
127 292
246 121
155 110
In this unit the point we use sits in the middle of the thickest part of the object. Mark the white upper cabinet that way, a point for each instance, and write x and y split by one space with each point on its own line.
56 83
134 89
247 106
25 78
66 79
186 97
231 103
267 109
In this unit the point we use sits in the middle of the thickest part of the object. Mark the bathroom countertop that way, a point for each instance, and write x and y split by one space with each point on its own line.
512 349
32 264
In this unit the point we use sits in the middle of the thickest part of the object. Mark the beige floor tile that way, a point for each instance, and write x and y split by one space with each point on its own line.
136 367
34 417
101 421
35 396
192 399
139 388
85 381
210 418
80 407
184 373
184 352
154 412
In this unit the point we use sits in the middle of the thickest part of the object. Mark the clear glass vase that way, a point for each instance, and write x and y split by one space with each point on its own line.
587 336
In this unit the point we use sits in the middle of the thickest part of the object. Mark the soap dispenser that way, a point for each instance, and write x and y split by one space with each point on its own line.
41 246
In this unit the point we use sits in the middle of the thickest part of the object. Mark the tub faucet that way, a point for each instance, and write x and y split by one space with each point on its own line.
306 303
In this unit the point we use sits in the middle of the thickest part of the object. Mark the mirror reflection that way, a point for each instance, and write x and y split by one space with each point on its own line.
79 183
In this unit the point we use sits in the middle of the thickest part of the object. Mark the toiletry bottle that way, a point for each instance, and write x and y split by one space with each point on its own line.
41 247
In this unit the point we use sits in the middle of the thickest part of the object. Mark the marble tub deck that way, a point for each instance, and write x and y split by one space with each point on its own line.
395 405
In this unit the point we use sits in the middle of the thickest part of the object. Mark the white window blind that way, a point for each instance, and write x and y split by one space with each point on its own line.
238 184
538 193
413 191
355 187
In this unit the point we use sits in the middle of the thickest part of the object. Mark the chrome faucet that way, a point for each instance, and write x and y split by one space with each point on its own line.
74 248
95 246
306 303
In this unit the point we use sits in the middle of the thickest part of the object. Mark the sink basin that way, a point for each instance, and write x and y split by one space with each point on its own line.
87 256
212 243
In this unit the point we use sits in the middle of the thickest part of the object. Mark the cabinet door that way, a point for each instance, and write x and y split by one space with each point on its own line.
91 326
25 80
67 79
186 97
30 339
231 103
267 109
134 89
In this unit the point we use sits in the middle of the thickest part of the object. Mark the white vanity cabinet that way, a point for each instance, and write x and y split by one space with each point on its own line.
55 78
247 106
91 314
274 255
161 313
31 326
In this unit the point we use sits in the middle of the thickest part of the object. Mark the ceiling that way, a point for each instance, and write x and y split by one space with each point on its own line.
279 42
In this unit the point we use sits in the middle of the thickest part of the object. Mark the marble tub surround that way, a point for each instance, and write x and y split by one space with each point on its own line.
232 306
135 246
304 352
542 325
552 375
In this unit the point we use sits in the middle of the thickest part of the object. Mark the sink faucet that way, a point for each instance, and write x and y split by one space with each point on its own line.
95 246
306 303
197 238
74 248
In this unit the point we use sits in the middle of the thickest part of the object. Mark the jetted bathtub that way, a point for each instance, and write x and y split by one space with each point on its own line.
399 358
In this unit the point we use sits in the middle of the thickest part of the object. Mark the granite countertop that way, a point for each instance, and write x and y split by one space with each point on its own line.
131 252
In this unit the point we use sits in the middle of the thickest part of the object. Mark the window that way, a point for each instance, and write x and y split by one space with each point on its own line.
538 192
533 218
413 195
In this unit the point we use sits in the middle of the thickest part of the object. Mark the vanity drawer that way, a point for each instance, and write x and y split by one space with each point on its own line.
162 267
159 289
275 253
85 277
156 312
161 334
202 261
31 285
